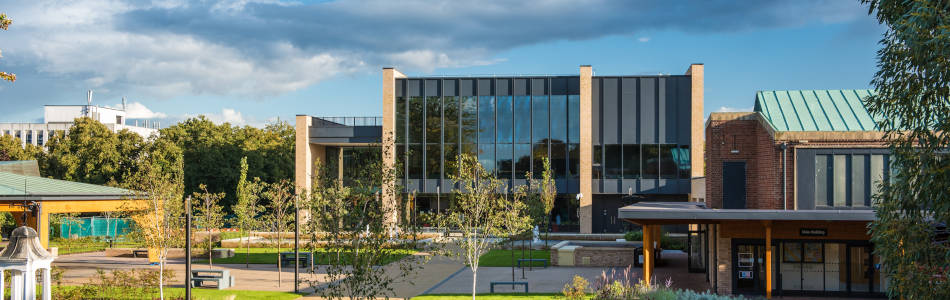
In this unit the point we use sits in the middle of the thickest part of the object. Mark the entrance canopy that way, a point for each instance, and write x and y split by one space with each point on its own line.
650 213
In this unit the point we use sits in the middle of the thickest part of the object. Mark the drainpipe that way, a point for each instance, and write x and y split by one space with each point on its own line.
784 148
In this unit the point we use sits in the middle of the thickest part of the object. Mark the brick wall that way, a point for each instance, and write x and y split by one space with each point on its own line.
743 140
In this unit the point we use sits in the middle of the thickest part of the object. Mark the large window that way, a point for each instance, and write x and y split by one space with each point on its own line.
522 119
400 120
469 121
574 118
486 156
559 118
668 167
416 122
539 119
433 120
559 160
538 153
503 157
415 162
433 161
450 110
598 162
504 119
522 160
848 180
486 119
631 161
650 157
613 157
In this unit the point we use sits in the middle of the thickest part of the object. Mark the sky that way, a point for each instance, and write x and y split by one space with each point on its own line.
254 62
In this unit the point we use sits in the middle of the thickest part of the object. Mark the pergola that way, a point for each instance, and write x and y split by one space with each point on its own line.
38 197
754 223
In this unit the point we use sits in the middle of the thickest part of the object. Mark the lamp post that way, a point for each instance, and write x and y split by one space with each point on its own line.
296 246
188 247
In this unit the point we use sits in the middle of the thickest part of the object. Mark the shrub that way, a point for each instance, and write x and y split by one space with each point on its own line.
576 289
633 235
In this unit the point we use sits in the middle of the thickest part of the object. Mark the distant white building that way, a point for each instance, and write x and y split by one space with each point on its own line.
57 119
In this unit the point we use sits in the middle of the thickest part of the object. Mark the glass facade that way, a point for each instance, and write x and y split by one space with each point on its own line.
848 180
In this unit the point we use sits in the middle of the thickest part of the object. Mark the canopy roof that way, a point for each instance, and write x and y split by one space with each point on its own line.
696 213
816 110
18 187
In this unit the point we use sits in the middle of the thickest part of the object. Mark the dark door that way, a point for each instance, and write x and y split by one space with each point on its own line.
733 185
860 270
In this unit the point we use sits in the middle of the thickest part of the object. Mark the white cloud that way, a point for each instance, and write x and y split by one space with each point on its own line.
734 109
137 110
643 39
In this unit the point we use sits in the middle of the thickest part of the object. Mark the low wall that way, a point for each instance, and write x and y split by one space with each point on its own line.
567 254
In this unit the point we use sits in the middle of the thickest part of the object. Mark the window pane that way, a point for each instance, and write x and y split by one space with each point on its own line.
504 119
416 122
558 118
450 109
612 161
470 149
486 119
537 153
681 157
522 119
522 160
668 167
451 160
401 158
415 162
503 158
822 172
433 120
840 176
400 120
597 166
631 161
574 160
433 161
539 119
877 173
559 160
469 109
651 161
858 180
486 156
574 118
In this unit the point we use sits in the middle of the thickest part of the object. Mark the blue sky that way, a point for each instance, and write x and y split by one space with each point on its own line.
250 62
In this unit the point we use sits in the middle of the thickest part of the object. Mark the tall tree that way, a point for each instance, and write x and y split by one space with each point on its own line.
209 215
5 25
248 207
913 106
12 148
280 196
92 153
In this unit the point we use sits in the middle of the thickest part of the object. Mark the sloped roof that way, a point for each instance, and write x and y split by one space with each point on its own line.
15 185
816 110
22 167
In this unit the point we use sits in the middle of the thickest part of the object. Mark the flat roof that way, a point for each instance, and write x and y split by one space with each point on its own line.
697 212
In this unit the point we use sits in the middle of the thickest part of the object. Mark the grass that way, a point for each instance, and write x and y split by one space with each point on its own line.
86 245
498 296
502 258
227 235
196 293
269 256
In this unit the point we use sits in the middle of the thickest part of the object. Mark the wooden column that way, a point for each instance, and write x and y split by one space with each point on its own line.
768 259
647 253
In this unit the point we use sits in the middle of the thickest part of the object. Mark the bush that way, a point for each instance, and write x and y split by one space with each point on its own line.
117 285
633 236
576 289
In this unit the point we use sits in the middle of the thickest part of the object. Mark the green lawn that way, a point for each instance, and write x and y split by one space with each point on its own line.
196 293
499 296
269 256
502 258
82 246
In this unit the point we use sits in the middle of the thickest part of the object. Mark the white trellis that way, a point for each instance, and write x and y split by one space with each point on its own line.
24 256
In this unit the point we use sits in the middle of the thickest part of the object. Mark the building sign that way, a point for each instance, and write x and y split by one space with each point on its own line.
813 232
745 274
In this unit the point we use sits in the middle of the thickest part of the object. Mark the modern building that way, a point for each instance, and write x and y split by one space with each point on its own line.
611 140
788 198
57 119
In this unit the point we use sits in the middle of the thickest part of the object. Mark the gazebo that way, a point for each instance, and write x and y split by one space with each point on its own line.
23 256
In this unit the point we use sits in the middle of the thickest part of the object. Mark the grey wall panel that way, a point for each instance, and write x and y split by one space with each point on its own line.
806 179
670 117
661 101
503 87
573 85
521 86
647 111
611 111
612 186
628 110
466 87
538 86
400 88
485 87
648 186
450 87
684 107
414 87
432 87
558 86
596 114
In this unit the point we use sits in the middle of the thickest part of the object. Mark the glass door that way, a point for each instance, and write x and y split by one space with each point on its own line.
861 272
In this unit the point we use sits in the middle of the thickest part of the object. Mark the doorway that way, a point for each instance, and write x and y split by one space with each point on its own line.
733 184
861 270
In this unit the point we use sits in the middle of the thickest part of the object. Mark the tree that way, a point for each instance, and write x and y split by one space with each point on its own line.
5 24
547 192
350 218
92 153
480 212
281 197
12 148
159 182
912 103
247 207
208 214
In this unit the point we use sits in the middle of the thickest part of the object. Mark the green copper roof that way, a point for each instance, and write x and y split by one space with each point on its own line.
20 185
816 110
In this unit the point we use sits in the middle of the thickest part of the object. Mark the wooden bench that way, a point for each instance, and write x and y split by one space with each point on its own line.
138 253
511 283
531 260
287 258
222 277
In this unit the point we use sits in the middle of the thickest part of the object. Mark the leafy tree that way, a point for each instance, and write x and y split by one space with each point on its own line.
11 148
92 153
208 215
281 198
547 192
481 211
5 25
913 104
350 219
248 206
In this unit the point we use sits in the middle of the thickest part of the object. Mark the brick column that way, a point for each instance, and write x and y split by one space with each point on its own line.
586 151
389 140
303 156
696 120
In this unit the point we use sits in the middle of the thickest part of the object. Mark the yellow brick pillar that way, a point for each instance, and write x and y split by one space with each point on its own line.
389 193
696 124
586 211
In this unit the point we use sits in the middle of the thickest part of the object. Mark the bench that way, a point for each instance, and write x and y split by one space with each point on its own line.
137 253
222 277
287 258
531 260
511 283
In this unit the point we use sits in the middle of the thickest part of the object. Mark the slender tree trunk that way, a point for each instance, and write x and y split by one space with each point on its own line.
474 280
161 279
279 269
512 249
247 254
210 250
